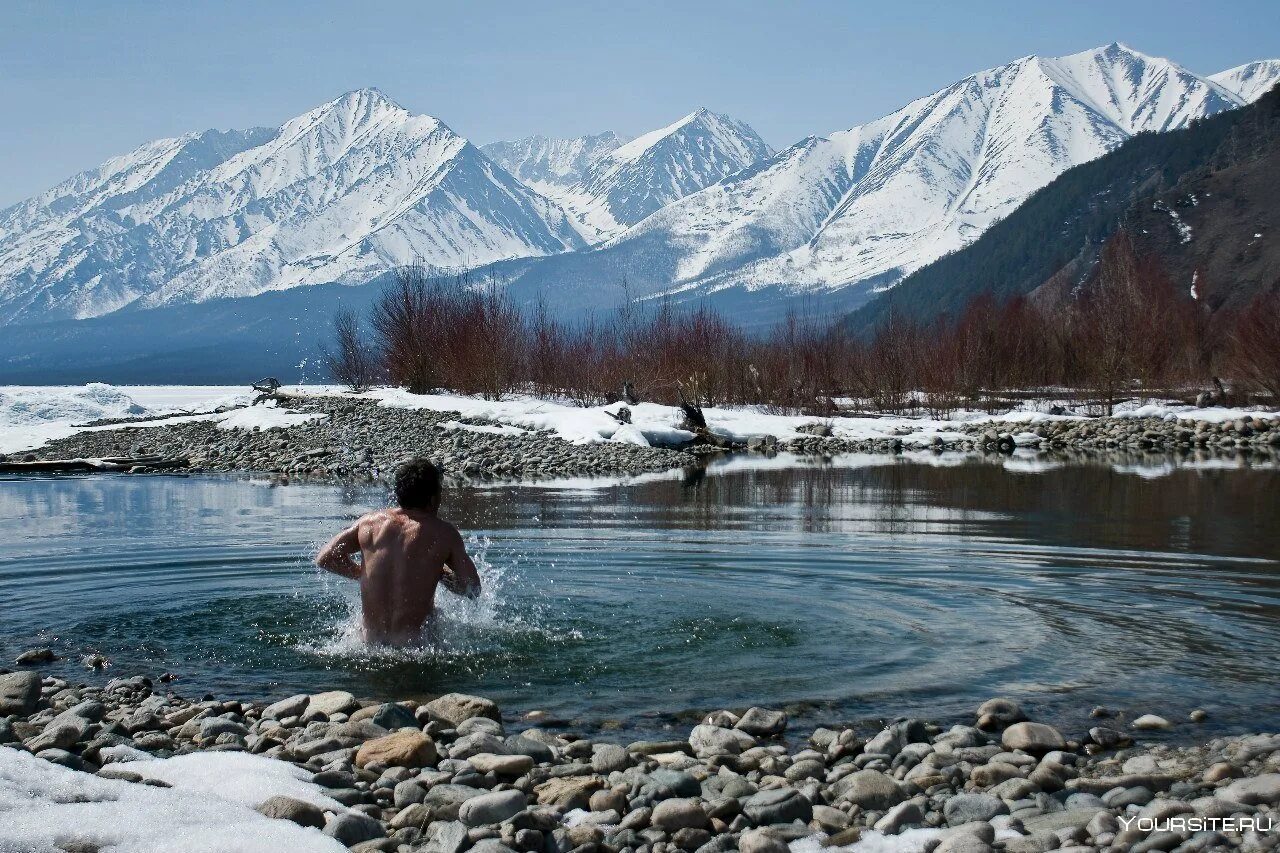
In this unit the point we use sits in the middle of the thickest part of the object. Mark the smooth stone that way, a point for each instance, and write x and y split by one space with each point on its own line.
900 816
332 702
894 738
967 808
492 808
609 757
1149 722
444 836
473 725
869 789
294 706
1258 790
454 708
962 842
999 712
540 752
570 792
502 765
390 716
1033 738
761 841
762 722
674 814
351 828
19 692
708 741
300 812
777 805
35 656
404 748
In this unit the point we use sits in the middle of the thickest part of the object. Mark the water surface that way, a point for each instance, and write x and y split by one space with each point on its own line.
854 590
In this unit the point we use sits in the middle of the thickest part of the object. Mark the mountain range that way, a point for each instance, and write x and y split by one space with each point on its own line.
701 209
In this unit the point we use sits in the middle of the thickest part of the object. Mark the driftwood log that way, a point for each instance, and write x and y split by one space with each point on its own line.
696 422
126 464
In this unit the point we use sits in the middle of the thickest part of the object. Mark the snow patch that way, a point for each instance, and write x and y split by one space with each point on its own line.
44 807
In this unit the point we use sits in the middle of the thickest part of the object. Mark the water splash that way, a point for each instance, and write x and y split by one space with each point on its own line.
509 614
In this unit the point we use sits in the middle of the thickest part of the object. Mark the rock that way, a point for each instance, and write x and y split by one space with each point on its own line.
1149 722
962 842
900 816
445 800
761 722
444 836
608 757
999 712
829 818
893 739
1034 738
570 792
1199 715
482 725
777 805
453 708
56 735
35 656
869 789
761 841
524 745
708 741
332 702
390 716
967 808
294 706
492 808
1259 790
19 692
675 814
351 828
398 749
300 812
502 765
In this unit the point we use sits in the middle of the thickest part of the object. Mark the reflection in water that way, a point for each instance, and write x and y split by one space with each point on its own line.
855 588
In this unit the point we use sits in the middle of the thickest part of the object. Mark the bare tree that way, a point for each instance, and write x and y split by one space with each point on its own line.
351 361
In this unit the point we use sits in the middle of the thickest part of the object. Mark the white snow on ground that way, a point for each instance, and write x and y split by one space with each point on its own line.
31 416
262 417
208 810
483 428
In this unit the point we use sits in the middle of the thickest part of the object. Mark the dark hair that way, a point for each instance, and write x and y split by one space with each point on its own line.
417 483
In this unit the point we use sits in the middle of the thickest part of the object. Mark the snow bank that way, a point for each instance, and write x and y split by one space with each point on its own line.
33 415
907 841
483 428
44 807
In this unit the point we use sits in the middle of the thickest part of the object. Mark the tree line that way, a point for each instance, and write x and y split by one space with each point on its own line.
1125 331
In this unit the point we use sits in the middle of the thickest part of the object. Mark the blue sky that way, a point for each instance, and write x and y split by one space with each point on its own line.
80 82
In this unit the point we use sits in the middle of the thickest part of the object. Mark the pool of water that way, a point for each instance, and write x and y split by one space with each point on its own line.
852 589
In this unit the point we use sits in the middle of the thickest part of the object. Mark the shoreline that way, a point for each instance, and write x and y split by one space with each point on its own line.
457 773
337 438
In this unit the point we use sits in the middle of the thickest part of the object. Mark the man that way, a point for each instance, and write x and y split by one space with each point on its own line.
404 553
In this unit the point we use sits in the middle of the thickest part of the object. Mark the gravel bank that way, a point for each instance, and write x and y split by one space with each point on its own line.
360 439
456 774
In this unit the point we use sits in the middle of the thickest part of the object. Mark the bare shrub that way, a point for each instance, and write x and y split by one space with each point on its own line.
352 360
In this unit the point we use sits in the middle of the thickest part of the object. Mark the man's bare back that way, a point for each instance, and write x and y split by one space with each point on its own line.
405 553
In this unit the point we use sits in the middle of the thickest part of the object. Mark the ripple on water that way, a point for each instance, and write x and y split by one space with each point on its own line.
873 594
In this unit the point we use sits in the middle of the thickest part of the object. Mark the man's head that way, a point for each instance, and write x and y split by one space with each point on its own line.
418 484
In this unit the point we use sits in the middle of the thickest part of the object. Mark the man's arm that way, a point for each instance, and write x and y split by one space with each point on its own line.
460 577
339 556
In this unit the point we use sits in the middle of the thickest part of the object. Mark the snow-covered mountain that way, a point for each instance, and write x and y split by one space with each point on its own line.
338 194
623 186
551 166
1251 80
699 208
865 206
